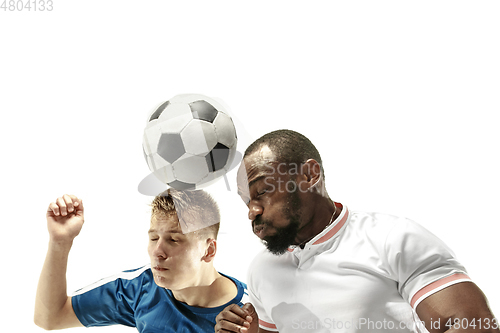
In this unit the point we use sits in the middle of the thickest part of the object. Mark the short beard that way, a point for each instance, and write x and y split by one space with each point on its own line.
279 243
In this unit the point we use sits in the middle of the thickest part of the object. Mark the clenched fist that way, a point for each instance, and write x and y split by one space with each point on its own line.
65 218
236 319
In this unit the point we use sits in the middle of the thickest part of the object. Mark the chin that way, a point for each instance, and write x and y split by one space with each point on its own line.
277 251
170 284
163 282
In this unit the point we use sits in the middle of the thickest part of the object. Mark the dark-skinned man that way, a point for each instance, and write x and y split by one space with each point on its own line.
329 269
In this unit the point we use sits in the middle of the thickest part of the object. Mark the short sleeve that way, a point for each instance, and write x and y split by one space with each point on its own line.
110 301
265 321
255 269
420 262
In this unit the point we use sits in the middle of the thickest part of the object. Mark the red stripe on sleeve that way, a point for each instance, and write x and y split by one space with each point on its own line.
266 324
436 284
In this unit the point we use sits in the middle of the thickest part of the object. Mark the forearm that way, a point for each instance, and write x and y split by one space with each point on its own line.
51 293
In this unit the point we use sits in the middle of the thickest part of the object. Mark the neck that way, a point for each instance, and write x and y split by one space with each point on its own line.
324 213
212 290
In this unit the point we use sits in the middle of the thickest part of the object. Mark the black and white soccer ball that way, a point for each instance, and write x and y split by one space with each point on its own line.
189 141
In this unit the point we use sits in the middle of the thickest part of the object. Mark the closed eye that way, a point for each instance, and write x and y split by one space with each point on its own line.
262 192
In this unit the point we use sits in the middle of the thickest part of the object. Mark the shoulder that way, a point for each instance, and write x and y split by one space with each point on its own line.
375 225
395 234
238 283
242 293
373 219
383 224
137 278
386 232
113 300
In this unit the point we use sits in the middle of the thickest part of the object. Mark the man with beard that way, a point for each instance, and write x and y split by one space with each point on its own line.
327 269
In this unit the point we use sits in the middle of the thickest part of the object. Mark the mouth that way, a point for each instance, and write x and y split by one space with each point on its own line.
260 230
160 269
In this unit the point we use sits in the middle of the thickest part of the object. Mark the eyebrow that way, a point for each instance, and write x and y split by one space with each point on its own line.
250 184
255 181
153 231
244 196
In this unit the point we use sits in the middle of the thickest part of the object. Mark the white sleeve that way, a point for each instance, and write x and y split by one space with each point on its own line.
420 262
265 321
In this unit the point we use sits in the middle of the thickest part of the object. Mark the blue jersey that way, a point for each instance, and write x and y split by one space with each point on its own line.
132 298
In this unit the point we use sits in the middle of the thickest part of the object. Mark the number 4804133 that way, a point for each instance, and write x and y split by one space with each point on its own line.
27 5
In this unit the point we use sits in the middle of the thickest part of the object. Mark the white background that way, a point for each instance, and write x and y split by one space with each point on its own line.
400 98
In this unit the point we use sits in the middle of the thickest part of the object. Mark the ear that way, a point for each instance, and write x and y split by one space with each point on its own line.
311 172
210 250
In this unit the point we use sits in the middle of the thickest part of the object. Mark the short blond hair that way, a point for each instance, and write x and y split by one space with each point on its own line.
196 210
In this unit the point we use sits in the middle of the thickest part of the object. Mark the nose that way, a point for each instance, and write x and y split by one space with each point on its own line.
158 251
254 210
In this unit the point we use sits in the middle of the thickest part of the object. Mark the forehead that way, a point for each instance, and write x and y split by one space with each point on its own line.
165 223
255 166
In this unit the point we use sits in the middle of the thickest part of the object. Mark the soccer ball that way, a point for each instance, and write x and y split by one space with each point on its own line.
189 141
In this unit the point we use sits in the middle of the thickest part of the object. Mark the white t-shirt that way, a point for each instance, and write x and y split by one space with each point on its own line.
365 272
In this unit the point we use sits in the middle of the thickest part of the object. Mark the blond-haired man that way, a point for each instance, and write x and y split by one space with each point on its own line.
179 291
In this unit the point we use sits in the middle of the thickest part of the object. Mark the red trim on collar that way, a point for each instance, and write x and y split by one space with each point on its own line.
335 228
